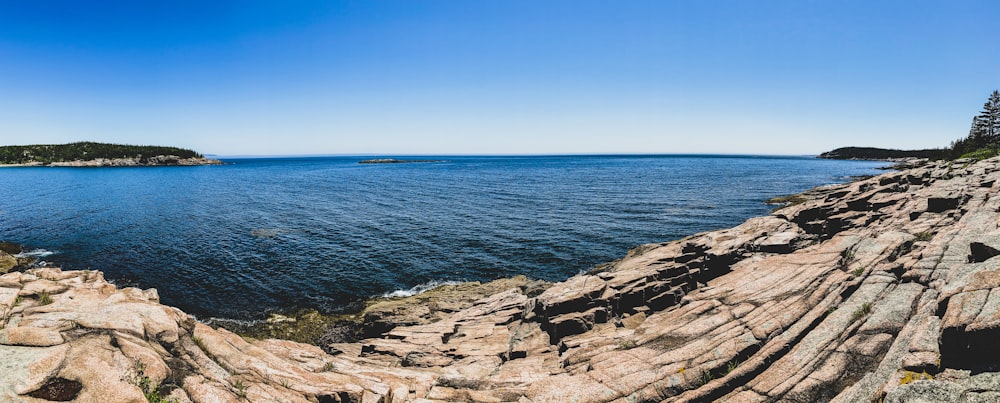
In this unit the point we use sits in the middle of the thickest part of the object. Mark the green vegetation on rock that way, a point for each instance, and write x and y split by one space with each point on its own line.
150 390
982 142
862 311
981 154
84 151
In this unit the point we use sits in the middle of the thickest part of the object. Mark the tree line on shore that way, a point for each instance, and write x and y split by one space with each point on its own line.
85 151
983 140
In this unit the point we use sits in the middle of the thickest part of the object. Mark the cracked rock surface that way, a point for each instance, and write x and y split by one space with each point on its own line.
882 289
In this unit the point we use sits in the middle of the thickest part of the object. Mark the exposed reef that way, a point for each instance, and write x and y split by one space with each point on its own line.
883 289
395 161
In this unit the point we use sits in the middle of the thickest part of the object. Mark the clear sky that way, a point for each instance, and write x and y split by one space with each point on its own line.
496 77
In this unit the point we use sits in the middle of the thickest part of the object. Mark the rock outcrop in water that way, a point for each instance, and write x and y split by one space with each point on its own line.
883 289
395 161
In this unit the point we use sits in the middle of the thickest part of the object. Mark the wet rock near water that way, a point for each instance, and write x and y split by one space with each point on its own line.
376 316
887 289
11 259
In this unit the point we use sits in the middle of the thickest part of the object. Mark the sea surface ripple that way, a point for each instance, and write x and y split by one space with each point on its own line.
266 235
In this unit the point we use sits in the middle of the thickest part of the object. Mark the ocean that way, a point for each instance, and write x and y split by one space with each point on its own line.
256 236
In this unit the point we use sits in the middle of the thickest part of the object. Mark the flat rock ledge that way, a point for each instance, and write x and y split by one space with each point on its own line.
886 289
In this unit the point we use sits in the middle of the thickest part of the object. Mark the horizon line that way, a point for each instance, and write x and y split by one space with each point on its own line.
375 155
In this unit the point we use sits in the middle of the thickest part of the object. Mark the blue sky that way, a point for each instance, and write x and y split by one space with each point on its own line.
496 77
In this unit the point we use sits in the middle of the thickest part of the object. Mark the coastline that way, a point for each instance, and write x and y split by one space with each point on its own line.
880 288
376 315
158 161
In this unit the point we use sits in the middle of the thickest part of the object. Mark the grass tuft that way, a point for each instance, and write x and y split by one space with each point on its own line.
705 378
731 366
201 345
150 390
44 298
863 310
846 258
241 389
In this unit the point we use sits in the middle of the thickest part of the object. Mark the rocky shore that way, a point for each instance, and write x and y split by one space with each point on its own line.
885 289
159 160
883 154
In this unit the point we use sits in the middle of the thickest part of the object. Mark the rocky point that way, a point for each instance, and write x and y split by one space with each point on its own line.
885 289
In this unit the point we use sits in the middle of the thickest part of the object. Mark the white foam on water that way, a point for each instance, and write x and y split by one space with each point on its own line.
36 253
223 321
419 289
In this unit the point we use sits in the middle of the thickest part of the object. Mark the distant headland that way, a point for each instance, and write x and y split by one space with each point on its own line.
982 142
90 154
882 154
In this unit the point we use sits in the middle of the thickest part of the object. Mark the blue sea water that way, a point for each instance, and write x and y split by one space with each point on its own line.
264 235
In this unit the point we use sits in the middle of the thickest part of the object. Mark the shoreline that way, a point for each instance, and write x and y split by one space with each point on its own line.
876 289
577 250
306 324
158 161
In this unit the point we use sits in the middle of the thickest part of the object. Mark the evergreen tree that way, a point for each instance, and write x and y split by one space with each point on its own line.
985 130
989 119
47 153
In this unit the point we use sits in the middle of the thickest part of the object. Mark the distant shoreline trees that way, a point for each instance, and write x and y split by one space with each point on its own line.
86 151
984 135
982 142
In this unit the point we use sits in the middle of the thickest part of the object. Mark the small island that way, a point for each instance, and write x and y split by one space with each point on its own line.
395 161
91 154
